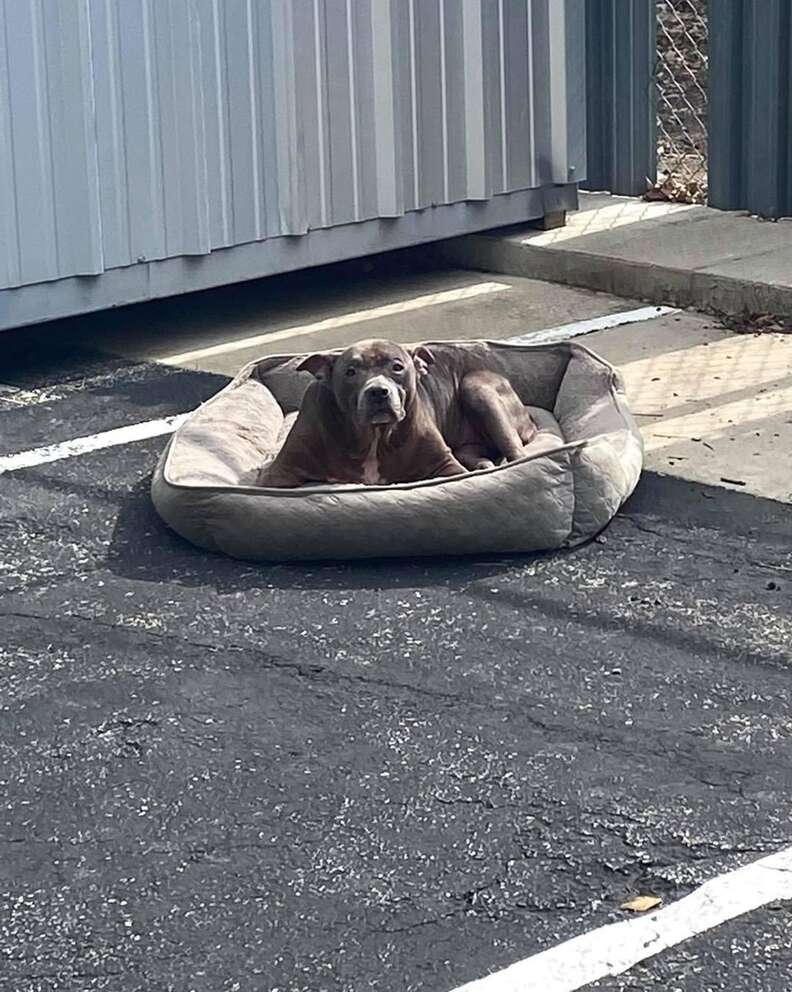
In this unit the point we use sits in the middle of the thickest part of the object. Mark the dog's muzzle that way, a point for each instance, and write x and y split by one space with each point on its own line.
381 401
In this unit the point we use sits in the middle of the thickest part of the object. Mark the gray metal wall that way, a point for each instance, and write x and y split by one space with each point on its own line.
750 106
133 131
621 98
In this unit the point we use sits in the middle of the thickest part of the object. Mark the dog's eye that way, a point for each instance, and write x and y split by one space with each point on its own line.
351 371
398 366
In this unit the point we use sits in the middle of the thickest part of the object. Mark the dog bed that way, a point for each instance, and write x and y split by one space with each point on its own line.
583 463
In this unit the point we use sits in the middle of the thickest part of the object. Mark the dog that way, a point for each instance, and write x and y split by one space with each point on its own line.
380 414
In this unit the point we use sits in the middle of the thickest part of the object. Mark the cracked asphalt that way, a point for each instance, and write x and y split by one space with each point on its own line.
391 776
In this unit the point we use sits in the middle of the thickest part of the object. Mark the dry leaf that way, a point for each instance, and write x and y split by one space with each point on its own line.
640 904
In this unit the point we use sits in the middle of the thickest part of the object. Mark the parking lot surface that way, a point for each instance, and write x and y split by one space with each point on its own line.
399 775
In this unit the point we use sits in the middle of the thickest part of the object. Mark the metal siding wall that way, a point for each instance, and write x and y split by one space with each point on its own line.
31 156
134 83
621 95
518 114
473 87
492 70
149 126
48 170
365 145
110 139
454 69
141 130
556 42
9 239
305 18
67 53
282 164
214 88
750 106
567 109
181 136
407 101
387 93
240 106
431 119
542 80
575 106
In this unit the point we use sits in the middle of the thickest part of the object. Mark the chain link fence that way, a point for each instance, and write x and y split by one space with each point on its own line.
681 101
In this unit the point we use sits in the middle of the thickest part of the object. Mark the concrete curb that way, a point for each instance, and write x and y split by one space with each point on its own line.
687 288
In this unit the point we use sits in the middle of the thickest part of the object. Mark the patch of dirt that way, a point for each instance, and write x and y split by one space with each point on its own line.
757 323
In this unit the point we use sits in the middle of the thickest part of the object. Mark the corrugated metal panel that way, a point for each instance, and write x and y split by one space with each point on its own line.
177 77
48 164
149 125
621 95
30 151
387 92
142 130
750 107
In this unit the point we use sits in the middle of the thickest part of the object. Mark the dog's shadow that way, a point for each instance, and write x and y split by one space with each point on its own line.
143 548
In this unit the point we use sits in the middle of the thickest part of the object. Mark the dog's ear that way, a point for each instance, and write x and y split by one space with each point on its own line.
422 358
319 365
424 354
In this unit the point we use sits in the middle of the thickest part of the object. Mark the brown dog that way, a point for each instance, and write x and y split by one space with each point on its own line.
376 414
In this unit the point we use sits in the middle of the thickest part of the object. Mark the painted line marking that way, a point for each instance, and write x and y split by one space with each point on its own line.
617 947
344 320
580 327
93 442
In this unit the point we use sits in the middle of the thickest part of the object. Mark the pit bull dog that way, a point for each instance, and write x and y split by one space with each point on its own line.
380 414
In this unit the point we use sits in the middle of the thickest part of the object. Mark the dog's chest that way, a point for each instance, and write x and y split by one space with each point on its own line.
371 466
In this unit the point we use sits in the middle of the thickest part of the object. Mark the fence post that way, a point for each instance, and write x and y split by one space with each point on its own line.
621 100
750 118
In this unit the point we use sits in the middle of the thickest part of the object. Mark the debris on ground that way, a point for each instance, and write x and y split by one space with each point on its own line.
641 904
757 323
673 189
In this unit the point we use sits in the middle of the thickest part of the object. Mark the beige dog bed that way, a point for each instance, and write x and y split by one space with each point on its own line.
582 465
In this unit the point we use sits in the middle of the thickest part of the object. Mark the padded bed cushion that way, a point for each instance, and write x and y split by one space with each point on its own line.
577 472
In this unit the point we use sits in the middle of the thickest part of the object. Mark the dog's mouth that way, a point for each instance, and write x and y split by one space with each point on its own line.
383 417
381 404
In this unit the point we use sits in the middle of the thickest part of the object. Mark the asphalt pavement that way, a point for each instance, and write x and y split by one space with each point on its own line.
396 775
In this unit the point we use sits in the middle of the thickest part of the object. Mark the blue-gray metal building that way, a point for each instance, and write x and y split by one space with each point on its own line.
151 147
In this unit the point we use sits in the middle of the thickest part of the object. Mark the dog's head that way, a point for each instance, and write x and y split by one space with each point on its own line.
374 382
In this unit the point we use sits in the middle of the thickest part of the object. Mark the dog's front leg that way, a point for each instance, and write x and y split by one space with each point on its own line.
276 476
450 466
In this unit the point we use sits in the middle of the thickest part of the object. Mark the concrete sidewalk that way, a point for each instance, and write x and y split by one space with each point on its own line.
714 407
670 253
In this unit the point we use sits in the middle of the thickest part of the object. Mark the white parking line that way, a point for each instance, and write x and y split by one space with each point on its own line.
580 327
343 320
614 949
93 442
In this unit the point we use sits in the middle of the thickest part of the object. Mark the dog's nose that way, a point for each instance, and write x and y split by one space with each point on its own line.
377 392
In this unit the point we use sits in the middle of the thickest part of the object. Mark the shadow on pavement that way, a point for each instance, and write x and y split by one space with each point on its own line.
143 548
